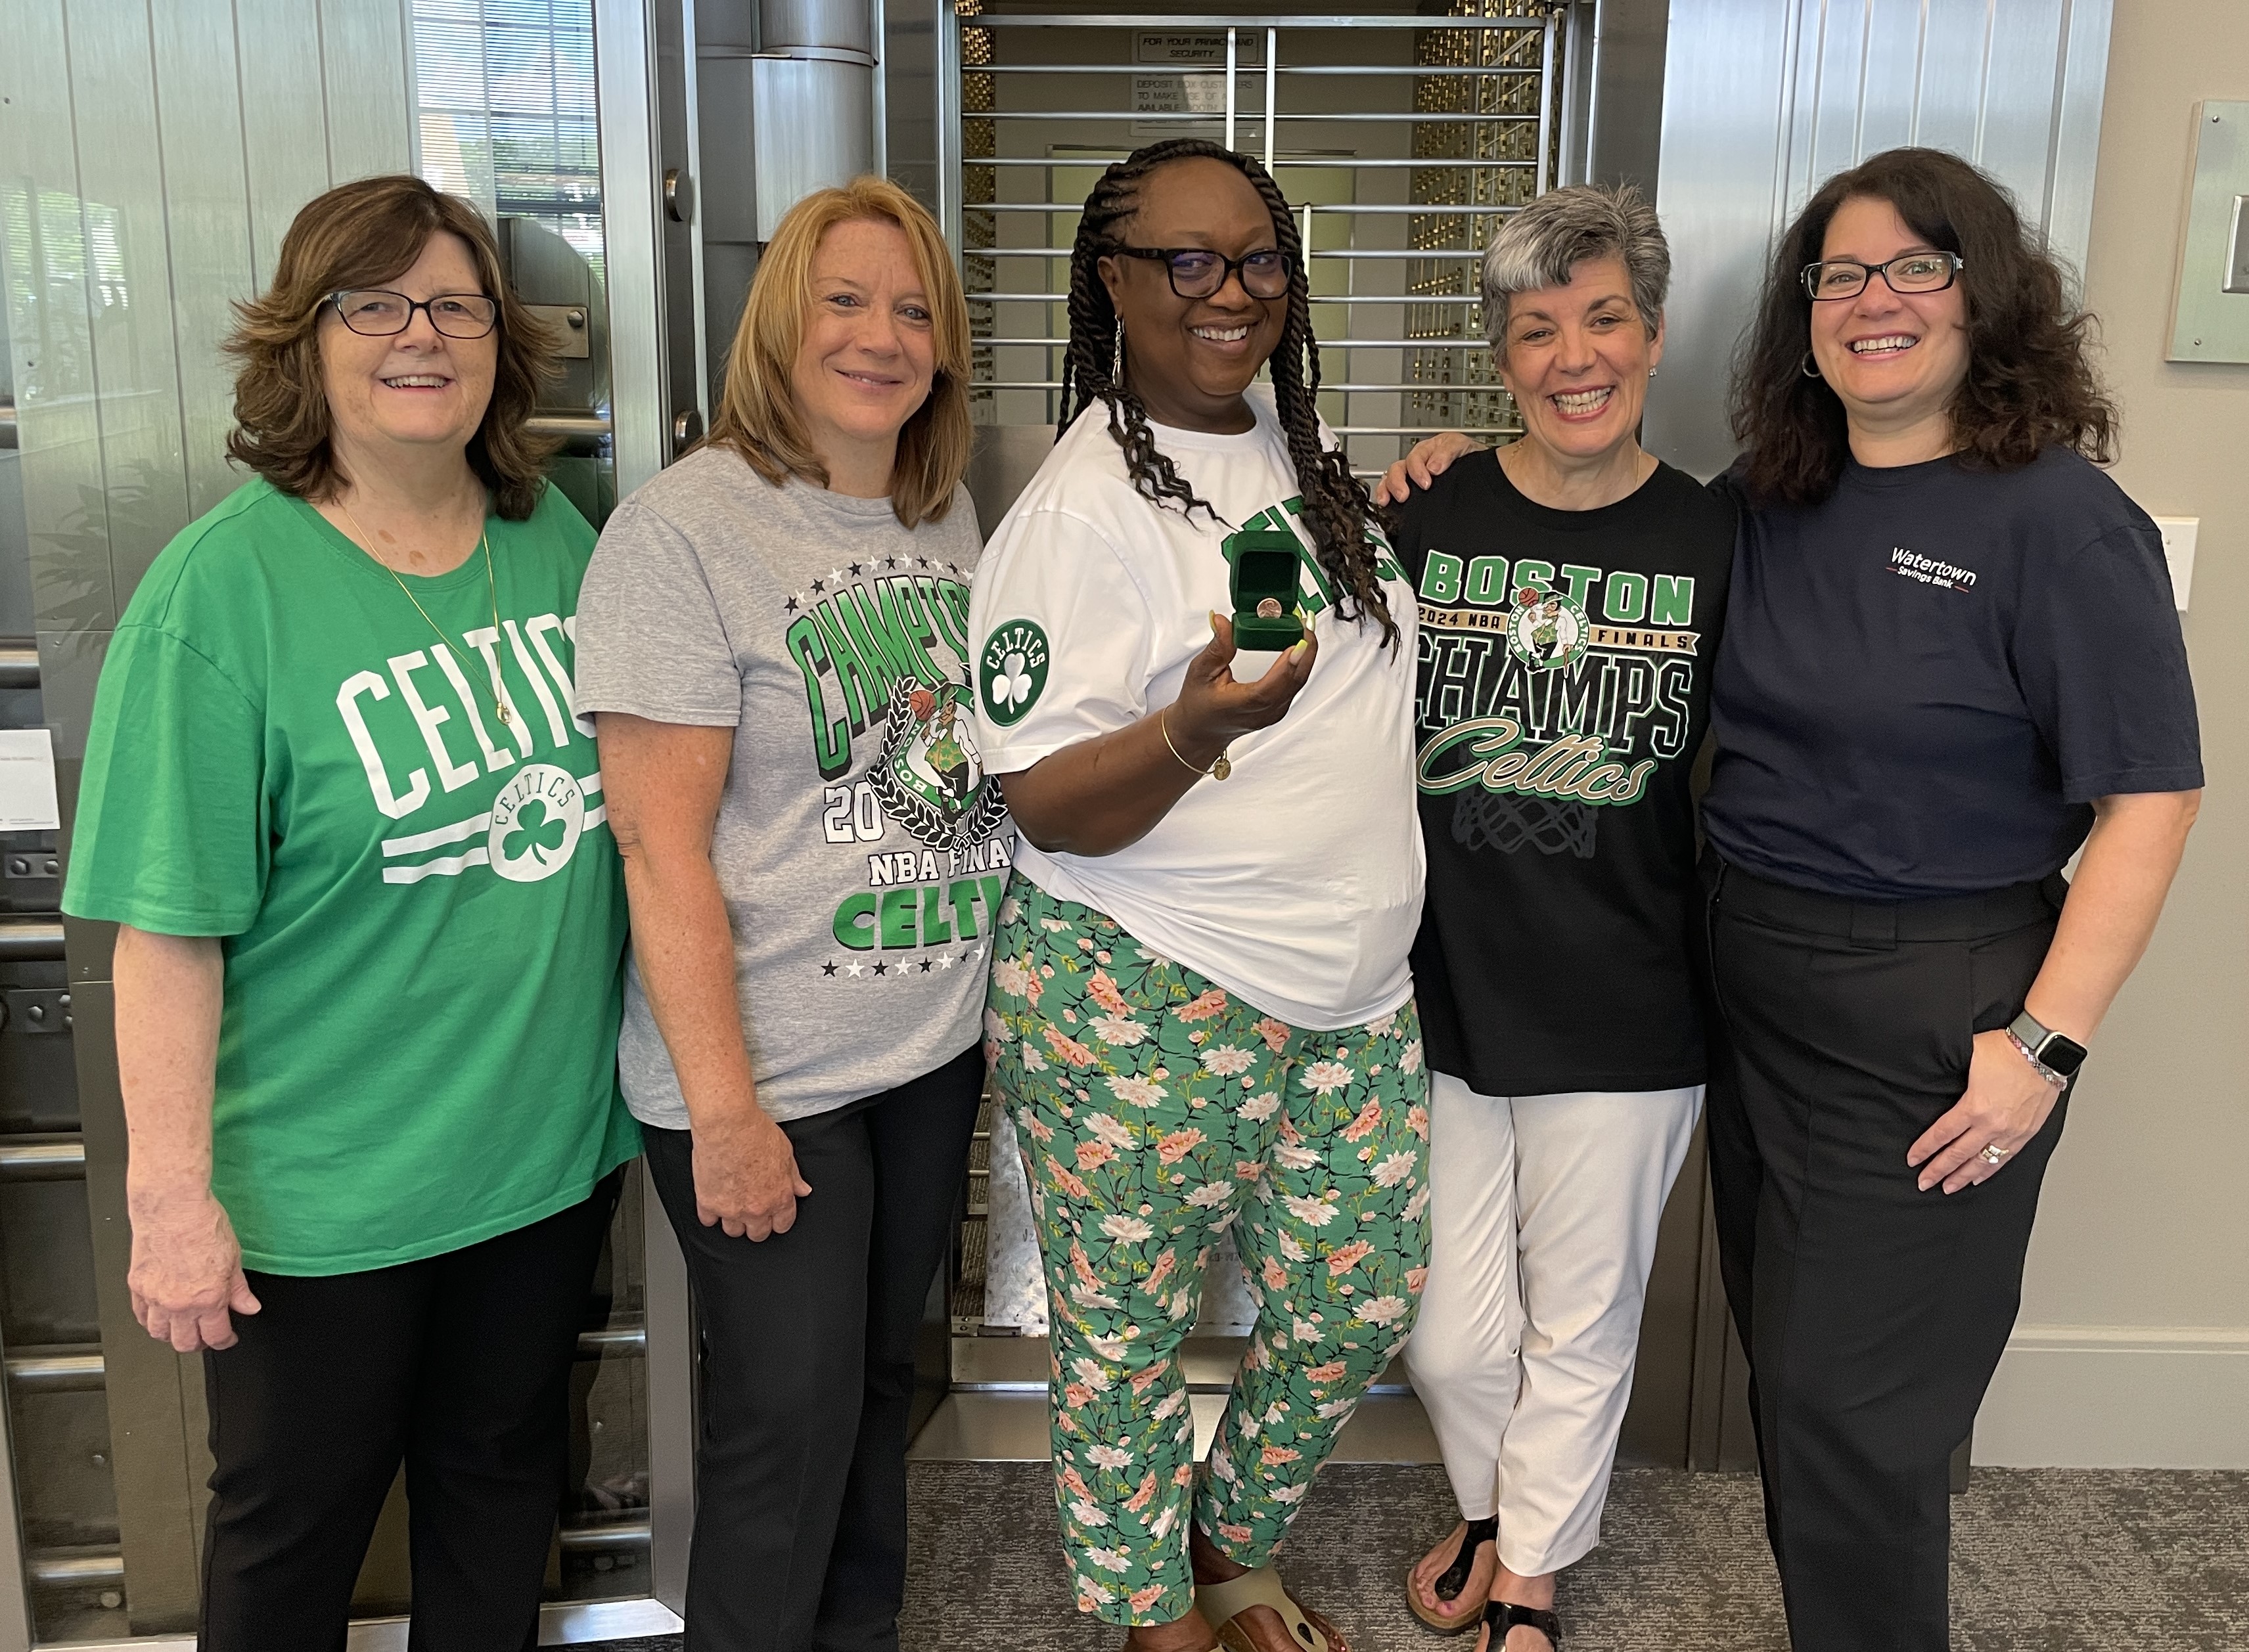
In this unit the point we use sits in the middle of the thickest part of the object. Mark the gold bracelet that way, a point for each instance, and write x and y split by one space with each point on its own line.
1217 770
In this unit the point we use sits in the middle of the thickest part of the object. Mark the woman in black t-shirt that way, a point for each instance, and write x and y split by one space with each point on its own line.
1951 658
1570 589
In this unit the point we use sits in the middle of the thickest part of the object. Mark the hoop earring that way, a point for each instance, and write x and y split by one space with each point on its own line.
1811 369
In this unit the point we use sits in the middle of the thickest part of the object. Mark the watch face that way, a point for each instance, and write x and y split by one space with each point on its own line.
2064 1055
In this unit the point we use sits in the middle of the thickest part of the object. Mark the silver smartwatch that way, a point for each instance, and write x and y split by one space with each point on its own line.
2055 1054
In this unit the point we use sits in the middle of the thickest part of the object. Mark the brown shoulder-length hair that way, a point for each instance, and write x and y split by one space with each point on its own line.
2031 384
757 415
362 235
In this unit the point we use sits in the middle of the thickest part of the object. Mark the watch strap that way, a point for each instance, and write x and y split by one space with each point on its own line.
2055 1054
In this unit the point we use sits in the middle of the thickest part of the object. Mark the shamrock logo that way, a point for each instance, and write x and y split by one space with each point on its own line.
535 832
1013 668
536 822
1012 687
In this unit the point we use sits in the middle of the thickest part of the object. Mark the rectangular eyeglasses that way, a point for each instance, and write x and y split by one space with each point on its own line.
378 312
1198 272
1907 272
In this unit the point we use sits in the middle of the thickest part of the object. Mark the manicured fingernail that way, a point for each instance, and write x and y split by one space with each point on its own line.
1299 651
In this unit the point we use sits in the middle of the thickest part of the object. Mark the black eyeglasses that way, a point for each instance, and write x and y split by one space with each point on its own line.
379 313
1907 272
1198 272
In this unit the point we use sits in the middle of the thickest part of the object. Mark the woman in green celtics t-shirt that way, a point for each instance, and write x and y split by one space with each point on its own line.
337 796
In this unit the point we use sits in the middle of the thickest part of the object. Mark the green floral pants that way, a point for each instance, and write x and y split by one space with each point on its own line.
1154 1109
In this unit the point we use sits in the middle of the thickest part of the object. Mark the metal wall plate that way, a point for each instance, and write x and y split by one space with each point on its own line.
2212 320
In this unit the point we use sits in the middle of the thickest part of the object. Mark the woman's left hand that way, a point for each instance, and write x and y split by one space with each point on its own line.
2007 1104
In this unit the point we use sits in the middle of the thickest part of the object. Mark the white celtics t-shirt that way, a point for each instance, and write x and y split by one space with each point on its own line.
1297 883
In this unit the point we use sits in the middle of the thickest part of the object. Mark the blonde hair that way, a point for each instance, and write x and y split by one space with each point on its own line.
757 415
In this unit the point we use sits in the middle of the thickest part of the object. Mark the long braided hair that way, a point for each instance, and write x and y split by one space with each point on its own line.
1336 507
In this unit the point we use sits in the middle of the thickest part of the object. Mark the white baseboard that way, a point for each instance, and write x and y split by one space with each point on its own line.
2103 1396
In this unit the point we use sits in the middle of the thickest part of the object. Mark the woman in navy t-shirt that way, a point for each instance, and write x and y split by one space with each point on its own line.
1950 661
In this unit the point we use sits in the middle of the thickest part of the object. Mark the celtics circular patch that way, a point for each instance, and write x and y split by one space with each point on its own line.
1011 673
1546 629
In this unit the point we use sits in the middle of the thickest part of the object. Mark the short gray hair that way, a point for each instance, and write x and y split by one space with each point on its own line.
1539 246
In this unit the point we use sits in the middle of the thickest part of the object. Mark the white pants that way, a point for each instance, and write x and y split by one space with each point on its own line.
1543 1212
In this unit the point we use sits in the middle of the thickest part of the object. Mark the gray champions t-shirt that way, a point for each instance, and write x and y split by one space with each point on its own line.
861 850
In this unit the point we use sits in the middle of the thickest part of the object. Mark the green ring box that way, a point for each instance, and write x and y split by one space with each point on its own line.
1266 566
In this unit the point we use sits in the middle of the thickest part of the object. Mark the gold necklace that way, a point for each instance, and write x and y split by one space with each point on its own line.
499 704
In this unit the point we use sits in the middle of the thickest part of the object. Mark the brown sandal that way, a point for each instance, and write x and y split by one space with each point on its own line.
1452 1581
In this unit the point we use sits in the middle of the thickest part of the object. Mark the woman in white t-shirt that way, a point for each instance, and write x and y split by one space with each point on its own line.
1201 1006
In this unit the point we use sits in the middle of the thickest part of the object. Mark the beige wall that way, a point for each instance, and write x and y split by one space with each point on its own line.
2134 1344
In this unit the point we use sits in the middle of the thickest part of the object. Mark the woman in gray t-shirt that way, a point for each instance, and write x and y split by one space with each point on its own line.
772 643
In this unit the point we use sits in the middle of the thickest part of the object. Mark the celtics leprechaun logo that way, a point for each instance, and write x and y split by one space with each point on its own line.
1012 670
1546 629
930 777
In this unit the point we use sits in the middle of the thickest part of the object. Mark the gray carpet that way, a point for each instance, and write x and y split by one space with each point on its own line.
2044 1560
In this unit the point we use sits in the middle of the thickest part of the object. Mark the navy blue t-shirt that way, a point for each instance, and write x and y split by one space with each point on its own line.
1926 679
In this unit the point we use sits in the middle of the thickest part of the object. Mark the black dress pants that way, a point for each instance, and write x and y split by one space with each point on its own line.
1873 1313
458 1365
809 1372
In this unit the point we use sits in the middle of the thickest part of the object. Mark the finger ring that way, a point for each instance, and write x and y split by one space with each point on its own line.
1993 1153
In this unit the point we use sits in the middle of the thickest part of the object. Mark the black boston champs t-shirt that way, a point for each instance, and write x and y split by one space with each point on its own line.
1928 678
1565 673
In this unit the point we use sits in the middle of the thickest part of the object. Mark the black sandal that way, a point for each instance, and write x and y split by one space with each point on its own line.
1452 1579
1503 1615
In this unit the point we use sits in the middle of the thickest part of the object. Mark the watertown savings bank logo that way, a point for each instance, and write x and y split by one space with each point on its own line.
1012 671
536 823
1546 630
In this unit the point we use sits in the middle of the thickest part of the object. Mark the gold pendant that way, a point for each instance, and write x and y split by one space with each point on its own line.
1221 768
505 716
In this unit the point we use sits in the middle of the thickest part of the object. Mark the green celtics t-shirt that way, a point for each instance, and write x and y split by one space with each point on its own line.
422 912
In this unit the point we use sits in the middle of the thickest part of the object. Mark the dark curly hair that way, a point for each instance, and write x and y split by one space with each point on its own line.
1337 509
362 235
2030 384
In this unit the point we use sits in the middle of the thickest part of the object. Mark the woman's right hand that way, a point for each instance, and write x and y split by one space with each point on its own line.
1213 710
1431 457
186 1271
746 1177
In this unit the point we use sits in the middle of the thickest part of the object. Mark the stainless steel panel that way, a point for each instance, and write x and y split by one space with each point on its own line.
70 666
624 75
284 146
365 82
135 354
50 339
1765 99
908 54
812 125
2211 321
207 224
2084 82
1626 117
845 24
